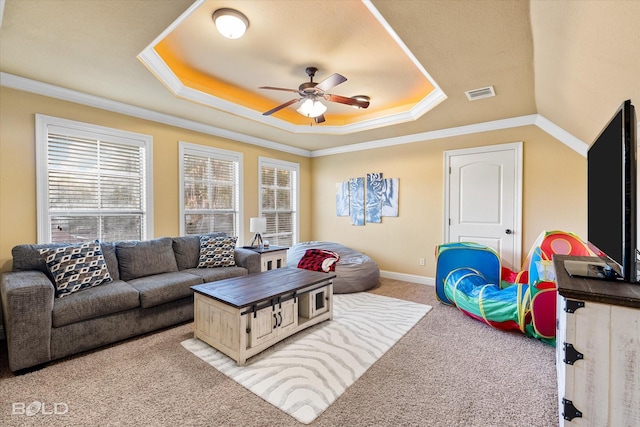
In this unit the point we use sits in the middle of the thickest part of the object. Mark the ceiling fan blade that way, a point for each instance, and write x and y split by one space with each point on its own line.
319 119
349 101
278 88
331 82
280 107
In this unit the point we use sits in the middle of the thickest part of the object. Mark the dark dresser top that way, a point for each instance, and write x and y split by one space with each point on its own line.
266 249
602 291
248 290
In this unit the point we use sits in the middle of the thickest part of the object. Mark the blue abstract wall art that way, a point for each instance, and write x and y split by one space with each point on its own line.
389 198
356 201
342 198
373 208
368 201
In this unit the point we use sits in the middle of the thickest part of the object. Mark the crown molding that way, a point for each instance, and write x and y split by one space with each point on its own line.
45 89
533 119
431 135
562 135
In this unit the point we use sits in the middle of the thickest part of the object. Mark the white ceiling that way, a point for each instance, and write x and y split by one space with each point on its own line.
571 62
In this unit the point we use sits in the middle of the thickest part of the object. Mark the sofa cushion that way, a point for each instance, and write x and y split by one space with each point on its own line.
213 274
217 251
145 258
187 249
161 288
94 302
76 267
27 257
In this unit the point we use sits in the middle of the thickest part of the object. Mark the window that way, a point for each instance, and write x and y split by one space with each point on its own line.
279 200
93 182
210 190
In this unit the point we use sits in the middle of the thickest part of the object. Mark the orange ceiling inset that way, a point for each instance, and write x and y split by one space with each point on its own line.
189 58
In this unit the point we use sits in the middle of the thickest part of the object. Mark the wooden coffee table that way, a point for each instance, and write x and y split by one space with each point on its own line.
243 316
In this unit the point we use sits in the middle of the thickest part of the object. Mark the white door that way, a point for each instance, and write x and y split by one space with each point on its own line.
483 199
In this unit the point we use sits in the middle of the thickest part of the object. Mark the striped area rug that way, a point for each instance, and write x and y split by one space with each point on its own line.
308 371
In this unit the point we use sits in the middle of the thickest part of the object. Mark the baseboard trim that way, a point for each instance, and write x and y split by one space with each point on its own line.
413 278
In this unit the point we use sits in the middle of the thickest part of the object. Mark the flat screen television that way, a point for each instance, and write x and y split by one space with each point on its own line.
611 195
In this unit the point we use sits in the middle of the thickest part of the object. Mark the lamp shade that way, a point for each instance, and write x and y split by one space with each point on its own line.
312 108
258 225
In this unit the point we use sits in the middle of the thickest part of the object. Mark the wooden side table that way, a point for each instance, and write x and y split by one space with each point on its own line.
271 258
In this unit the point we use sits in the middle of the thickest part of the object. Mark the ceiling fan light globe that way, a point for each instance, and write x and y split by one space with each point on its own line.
362 98
230 23
312 108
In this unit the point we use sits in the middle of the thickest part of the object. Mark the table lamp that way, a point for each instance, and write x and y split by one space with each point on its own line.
257 226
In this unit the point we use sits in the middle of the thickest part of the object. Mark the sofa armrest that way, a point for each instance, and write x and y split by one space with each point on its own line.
27 302
248 259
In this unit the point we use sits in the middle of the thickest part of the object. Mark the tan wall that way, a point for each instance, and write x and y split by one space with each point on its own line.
18 173
554 195
554 190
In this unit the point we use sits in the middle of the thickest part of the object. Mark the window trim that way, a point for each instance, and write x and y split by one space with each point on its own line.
282 164
43 123
207 151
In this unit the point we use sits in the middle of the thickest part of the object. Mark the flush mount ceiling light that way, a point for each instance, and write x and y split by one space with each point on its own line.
312 108
230 23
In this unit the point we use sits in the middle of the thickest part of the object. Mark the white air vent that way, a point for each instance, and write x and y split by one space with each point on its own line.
483 92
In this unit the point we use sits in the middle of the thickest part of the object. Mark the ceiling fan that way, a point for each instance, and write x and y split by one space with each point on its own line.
311 92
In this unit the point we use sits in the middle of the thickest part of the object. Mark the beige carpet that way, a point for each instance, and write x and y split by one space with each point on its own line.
305 373
449 370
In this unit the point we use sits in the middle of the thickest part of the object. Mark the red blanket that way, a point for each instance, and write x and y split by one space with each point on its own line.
319 260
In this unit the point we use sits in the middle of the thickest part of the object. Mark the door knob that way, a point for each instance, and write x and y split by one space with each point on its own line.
508 231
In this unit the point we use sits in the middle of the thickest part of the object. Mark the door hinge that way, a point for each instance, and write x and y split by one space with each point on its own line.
571 355
569 411
572 305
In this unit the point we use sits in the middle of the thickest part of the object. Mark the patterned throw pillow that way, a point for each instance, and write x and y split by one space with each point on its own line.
76 267
217 251
319 260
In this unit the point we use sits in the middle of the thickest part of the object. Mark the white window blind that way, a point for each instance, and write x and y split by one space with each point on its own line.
279 200
210 188
93 182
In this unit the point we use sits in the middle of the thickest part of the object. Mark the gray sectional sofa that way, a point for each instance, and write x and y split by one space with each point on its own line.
150 289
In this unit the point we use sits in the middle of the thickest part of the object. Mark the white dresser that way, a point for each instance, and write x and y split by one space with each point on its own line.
597 350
